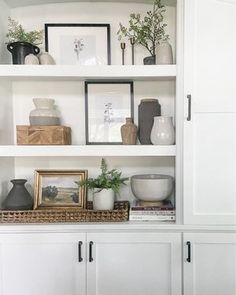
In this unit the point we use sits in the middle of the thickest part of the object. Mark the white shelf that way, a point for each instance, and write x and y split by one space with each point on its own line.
86 150
17 3
61 72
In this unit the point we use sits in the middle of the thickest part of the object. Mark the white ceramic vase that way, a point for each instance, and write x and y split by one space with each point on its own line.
46 59
163 132
164 53
103 199
31 59
44 113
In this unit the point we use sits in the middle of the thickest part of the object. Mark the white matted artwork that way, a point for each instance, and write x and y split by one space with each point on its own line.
78 44
107 105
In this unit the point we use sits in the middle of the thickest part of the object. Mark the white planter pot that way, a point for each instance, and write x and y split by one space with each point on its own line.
103 200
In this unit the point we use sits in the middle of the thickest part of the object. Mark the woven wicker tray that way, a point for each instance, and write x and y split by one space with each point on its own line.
119 214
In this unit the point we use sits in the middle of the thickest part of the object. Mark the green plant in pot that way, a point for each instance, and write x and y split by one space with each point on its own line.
104 187
21 43
147 31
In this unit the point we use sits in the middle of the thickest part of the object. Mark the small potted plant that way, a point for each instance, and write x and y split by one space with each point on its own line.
147 31
21 43
104 187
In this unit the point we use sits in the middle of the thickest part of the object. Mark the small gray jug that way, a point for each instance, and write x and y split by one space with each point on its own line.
18 198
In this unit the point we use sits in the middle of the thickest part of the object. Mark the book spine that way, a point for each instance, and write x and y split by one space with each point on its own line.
161 213
151 218
151 209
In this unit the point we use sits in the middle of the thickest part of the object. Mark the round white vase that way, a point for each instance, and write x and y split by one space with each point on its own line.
163 132
164 53
44 113
31 59
103 199
46 59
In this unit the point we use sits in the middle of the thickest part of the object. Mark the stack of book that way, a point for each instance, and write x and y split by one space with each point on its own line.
151 212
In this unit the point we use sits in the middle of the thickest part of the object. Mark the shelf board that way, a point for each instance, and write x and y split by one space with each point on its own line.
62 72
87 150
17 3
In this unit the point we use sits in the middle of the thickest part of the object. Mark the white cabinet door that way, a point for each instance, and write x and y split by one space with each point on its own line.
134 264
211 269
210 133
42 264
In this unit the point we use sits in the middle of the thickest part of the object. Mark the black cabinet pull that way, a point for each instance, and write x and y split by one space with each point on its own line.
90 251
80 258
189 251
189 97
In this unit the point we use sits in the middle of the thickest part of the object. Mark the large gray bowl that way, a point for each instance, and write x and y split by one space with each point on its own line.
152 187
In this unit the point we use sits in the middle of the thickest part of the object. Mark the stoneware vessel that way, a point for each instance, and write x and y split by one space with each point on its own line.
147 110
129 132
163 131
103 199
149 60
46 59
164 53
18 198
45 112
31 59
19 50
152 187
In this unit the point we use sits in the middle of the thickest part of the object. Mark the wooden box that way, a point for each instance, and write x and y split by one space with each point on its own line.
43 135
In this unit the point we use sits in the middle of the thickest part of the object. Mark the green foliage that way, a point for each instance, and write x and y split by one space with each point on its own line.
49 192
147 31
16 33
107 179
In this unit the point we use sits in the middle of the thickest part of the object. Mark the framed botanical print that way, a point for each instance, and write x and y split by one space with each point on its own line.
78 44
107 105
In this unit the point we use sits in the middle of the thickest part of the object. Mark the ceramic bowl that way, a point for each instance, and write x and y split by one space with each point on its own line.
152 187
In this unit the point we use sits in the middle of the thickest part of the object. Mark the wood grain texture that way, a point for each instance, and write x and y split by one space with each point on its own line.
43 135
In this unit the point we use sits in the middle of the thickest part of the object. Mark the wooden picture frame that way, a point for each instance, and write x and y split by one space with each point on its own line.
57 189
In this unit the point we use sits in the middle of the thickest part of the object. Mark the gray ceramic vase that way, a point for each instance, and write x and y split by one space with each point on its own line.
18 198
147 110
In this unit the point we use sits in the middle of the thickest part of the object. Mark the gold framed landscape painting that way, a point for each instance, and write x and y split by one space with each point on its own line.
59 189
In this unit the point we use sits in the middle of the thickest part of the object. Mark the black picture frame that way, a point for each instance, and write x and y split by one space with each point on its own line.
71 51
103 114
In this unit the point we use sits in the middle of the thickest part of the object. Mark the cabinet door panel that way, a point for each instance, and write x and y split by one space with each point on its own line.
135 264
41 264
210 137
212 270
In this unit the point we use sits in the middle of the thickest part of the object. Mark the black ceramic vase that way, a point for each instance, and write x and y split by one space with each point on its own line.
19 50
147 110
18 198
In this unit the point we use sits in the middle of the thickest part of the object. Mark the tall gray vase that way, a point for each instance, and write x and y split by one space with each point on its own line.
18 198
147 110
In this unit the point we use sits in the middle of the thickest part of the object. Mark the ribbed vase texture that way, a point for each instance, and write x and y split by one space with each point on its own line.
147 110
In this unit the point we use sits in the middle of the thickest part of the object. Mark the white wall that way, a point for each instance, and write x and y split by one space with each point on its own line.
4 13
34 17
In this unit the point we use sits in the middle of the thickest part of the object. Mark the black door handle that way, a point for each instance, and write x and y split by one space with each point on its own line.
189 251
80 258
90 251
189 97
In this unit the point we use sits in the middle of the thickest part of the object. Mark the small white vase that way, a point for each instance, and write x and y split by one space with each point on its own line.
44 113
103 199
163 132
164 53
46 59
31 59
